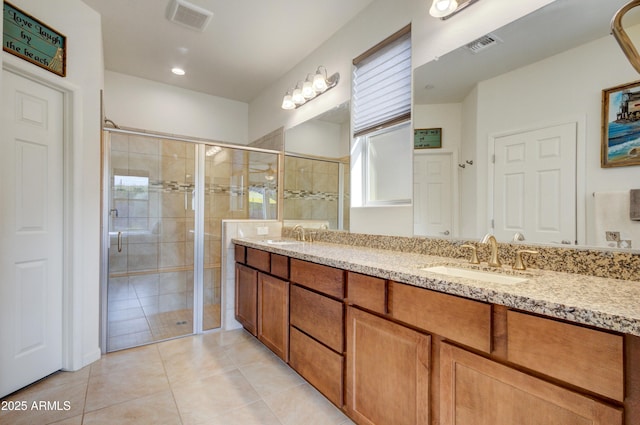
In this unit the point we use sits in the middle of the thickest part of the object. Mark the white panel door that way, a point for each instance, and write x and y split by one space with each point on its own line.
535 185
432 195
31 232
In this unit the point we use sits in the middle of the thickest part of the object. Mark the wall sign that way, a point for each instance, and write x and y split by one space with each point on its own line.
425 138
31 40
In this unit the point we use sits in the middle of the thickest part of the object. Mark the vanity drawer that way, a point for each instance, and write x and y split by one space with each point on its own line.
320 278
317 364
280 266
259 259
367 292
458 319
580 356
317 315
240 254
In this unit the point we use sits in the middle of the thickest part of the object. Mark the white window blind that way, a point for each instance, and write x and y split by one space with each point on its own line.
382 86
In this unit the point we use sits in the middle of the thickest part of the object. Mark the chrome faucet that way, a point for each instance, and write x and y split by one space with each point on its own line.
298 232
494 261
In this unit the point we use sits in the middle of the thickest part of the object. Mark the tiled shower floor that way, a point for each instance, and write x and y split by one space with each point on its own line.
152 307
218 378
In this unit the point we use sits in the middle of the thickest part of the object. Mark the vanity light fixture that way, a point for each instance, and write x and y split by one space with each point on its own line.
445 9
314 85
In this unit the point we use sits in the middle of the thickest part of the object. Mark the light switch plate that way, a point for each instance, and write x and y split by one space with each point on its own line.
612 236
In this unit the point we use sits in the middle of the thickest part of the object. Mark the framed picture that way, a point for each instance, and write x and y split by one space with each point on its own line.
32 40
427 138
621 126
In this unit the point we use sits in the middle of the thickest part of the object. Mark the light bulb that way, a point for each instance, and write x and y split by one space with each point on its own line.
442 8
319 83
287 102
307 90
297 96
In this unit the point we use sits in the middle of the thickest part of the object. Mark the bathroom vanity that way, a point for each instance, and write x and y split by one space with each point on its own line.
391 341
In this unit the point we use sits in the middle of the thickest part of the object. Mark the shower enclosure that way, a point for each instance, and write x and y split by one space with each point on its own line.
164 200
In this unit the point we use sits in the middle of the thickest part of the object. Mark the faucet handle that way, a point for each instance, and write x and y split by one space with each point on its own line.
519 263
474 253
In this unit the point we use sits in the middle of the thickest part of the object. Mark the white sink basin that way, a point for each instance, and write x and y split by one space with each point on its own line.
481 275
282 242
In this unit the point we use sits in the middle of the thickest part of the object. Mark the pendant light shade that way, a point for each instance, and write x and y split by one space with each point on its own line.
442 8
319 82
297 96
287 101
307 88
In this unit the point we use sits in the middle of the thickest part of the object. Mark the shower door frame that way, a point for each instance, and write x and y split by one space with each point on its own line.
198 253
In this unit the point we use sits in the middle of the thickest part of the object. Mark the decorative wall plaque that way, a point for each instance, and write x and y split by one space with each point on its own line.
427 138
30 39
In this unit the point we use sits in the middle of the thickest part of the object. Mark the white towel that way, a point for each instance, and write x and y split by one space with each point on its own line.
611 214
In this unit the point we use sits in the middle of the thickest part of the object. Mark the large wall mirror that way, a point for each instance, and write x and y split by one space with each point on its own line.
520 113
316 177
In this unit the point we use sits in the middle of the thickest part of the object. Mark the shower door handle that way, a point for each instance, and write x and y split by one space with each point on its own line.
119 241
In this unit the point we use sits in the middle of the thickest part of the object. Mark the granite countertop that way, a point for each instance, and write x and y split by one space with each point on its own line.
610 304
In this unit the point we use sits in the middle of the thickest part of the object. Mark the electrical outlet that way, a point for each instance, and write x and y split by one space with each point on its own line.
612 236
262 230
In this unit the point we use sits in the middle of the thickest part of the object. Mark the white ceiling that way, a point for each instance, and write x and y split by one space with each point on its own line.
247 46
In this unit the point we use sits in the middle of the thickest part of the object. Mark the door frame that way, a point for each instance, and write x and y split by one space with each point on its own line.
580 122
72 352
455 190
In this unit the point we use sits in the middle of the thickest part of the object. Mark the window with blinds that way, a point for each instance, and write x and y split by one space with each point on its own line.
382 84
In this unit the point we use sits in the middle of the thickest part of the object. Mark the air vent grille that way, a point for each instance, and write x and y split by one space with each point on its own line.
189 15
483 43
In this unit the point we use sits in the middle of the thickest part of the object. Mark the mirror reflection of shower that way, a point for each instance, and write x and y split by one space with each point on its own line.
317 171
316 192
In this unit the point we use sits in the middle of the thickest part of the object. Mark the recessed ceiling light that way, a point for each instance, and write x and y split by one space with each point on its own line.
178 71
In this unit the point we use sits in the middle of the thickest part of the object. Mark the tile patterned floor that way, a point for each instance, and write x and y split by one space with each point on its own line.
226 378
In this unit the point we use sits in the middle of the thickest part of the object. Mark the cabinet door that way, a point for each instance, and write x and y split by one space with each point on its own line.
478 391
247 297
387 371
273 314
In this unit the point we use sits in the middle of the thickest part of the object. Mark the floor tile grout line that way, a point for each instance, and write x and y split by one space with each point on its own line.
261 397
173 395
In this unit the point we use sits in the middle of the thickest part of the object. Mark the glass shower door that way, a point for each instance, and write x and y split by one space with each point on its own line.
238 184
167 199
151 231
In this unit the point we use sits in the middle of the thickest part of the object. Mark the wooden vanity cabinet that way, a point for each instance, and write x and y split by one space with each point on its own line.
475 390
462 320
262 300
391 353
247 297
273 314
316 348
388 371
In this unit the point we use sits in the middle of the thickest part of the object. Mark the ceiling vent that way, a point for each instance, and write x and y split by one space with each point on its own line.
483 43
189 15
